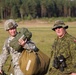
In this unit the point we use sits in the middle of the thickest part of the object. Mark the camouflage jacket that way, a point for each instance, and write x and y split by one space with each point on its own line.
14 54
65 46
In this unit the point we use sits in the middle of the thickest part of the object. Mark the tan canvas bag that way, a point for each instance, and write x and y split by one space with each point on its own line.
34 63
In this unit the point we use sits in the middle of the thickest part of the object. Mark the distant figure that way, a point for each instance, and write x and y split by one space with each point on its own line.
63 54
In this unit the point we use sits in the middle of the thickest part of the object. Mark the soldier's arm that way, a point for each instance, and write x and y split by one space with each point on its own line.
73 56
4 55
30 45
51 58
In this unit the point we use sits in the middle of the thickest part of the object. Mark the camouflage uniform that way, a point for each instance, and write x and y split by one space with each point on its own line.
9 50
65 46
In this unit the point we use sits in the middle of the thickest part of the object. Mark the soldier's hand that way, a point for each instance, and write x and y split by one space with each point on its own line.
73 74
0 71
22 42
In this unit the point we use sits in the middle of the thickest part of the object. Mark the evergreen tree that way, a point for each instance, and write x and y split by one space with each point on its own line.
14 12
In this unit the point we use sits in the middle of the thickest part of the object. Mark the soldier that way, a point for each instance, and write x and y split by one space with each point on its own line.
63 53
11 27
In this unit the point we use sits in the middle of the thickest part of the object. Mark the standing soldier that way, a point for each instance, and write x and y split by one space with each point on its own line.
11 27
63 54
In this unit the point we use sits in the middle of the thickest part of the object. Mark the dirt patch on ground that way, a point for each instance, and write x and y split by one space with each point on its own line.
30 23
42 23
38 23
35 23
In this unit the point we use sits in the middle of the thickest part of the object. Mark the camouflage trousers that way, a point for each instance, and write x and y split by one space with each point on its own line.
17 71
56 72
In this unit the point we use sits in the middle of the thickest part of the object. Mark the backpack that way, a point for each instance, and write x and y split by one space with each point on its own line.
34 63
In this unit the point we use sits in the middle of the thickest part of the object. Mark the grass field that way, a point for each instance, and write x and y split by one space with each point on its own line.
43 36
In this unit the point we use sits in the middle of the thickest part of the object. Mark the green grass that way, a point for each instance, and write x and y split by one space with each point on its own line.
42 36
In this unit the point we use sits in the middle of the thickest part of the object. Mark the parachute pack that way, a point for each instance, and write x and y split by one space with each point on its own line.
34 63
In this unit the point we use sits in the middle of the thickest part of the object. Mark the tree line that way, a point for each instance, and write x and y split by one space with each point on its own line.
37 8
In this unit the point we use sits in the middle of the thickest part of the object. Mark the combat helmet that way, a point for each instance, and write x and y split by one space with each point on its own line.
10 24
59 23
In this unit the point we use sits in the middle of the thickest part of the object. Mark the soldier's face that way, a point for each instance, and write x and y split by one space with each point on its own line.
60 32
12 31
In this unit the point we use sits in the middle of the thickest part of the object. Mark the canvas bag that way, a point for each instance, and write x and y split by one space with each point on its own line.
34 63
24 33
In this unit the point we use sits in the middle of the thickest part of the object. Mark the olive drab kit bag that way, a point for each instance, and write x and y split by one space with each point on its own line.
31 62
23 34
